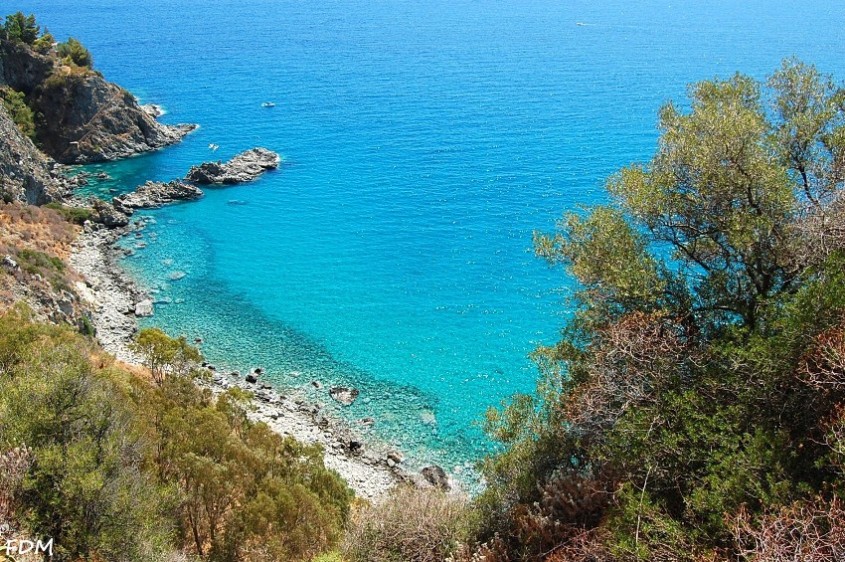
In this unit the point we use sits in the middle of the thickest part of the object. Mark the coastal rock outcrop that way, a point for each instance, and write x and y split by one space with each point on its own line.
153 195
244 167
108 216
85 118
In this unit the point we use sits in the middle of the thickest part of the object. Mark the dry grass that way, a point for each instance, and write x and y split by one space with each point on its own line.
411 525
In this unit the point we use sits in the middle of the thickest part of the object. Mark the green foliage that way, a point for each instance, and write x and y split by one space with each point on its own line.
76 215
21 114
33 261
45 43
703 376
20 27
164 355
124 470
74 52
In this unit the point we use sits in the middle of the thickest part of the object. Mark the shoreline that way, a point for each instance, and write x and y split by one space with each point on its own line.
115 300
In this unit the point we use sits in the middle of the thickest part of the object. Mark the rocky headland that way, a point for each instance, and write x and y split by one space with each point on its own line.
84 118
246 166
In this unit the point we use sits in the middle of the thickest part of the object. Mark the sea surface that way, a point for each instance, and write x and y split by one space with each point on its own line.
423 142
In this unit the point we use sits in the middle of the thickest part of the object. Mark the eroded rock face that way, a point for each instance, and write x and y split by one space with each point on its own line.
152 195
86 119
244 167
25 173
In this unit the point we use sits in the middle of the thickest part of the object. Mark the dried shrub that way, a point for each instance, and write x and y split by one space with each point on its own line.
811 531
13 466
410 525
633 359
823 364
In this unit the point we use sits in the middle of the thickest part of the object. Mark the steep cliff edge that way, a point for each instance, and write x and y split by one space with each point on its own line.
26 175
80 117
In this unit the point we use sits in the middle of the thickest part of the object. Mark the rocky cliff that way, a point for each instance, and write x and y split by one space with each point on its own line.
26 175
81 117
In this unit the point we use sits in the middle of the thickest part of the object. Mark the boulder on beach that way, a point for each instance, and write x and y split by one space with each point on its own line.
344 395
144 308
153 195
436 476
251 378
244 167
107 215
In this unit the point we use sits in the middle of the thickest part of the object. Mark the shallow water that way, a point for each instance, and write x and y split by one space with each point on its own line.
423 143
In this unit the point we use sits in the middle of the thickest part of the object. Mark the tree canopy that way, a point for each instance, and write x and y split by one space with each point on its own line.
699 388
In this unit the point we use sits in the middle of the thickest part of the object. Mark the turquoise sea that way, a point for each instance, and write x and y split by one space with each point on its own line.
423 143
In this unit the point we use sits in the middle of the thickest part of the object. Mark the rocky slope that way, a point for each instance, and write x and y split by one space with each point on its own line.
26 175
84 118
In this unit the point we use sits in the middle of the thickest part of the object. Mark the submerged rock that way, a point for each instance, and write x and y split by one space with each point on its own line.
152 195
244 167
344 395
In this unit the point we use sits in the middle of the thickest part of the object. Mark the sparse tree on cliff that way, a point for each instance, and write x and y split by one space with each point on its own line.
76 53
19 27
165 356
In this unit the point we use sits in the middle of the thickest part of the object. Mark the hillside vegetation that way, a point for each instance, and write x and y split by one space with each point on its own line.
693 409
116 467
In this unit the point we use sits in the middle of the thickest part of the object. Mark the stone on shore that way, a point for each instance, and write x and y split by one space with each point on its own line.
344 395
108 215
436 476
244 167
153 195
144 308
251 378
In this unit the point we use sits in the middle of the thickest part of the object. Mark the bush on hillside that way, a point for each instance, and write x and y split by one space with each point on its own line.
19 111
127 471
21 28
74 52
411 525
702 375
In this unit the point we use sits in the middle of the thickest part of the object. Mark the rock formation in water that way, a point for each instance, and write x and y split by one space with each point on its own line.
152 195
82 117
244 167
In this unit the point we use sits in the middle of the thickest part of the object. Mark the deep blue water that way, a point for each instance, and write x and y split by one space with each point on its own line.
423 142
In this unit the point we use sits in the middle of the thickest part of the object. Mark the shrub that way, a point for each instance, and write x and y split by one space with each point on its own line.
21 114
22 28
411 525
45 43
74 52
76 215
164 355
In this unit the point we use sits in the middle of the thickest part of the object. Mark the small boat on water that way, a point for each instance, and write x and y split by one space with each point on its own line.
213 146
268 104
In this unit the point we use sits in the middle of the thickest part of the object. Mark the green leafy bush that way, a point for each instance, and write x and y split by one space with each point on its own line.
74 52
703 372
76 215
124 470
19 111
20 27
